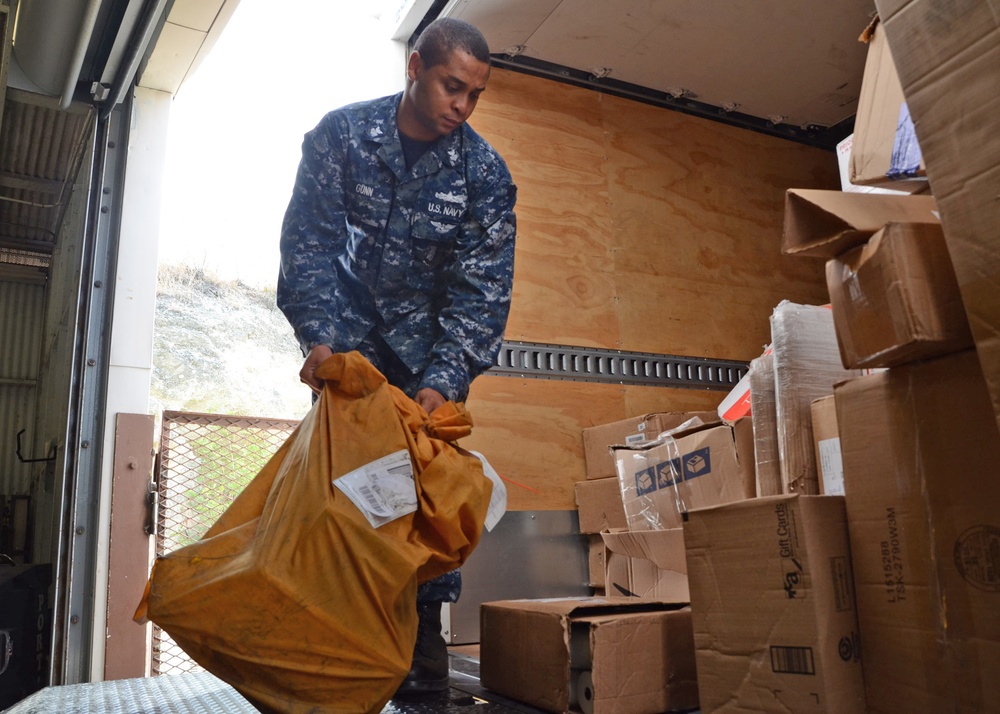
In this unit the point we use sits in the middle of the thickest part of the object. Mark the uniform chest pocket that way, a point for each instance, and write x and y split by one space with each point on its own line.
432 240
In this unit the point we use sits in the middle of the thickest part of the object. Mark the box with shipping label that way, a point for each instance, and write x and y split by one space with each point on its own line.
826 441
637 430
885 151
772 603
824 223
690 469
599 505
948 58
647 564
806 366
599 655
921 453
896 300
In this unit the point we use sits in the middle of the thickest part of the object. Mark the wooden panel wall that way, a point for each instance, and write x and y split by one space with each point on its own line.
639 228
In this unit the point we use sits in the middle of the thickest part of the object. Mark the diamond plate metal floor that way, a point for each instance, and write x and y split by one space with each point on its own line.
203 693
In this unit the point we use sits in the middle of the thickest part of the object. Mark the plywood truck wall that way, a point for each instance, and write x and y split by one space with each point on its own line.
639 228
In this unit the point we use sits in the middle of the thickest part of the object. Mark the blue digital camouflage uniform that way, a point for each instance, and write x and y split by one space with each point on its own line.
419 261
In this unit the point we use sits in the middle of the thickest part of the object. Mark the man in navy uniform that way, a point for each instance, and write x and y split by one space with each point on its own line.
398 242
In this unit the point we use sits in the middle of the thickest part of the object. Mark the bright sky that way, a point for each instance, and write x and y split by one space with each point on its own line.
236 125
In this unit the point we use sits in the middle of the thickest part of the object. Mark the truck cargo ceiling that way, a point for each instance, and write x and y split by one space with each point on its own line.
791 70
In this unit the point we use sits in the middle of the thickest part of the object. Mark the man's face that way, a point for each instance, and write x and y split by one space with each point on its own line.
443 96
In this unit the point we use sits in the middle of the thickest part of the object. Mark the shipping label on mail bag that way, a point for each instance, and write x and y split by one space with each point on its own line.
384 489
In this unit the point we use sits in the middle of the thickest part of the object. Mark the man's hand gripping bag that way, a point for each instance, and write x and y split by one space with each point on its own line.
293 597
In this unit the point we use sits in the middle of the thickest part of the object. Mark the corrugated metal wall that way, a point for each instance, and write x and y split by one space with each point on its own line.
22 317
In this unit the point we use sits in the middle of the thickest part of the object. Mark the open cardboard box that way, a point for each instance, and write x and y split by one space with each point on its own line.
600 655
647 564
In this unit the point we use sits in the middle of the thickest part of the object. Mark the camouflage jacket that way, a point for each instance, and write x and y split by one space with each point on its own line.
424 256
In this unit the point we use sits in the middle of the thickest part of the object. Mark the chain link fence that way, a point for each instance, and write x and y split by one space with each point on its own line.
205 461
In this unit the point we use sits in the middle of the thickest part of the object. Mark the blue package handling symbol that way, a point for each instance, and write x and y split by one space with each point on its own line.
668 473
697 463
645 481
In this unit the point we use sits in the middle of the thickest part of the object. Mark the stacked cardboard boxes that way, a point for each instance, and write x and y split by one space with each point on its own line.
914 438
896 310
920 441
784 614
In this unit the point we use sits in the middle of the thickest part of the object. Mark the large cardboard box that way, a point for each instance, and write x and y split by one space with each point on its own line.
691 469
622 655
824 224
806 366
922 480
895 299
647 564
948 58
599 505
636 430
772 602
885 150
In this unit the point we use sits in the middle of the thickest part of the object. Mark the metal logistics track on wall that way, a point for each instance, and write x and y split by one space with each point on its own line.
588 364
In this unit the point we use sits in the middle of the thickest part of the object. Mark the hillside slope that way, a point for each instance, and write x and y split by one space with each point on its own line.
222 347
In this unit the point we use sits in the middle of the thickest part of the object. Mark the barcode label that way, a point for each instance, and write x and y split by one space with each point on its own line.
370 497
792 660
384 489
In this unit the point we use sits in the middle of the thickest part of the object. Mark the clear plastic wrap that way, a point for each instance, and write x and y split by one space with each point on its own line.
806 366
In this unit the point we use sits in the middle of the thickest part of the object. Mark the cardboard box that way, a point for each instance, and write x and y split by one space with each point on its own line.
631 656
648 564
948 57
743 435
694 468
885 150
636 430
599 505
826 439
772 604
767 463
826 223
844 147
895 299
806 366
921 454
597 561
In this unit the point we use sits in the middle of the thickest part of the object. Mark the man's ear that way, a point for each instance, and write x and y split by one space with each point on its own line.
414 65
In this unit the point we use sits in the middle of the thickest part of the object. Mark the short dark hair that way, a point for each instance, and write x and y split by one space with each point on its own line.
447 34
